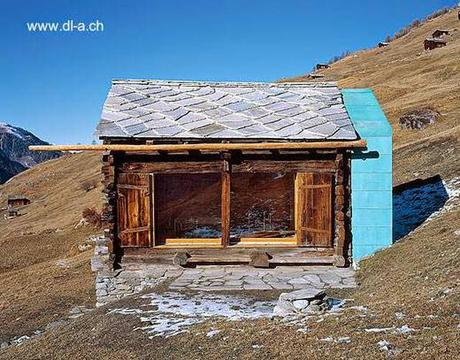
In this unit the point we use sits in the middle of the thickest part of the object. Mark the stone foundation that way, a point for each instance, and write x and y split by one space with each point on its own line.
133 278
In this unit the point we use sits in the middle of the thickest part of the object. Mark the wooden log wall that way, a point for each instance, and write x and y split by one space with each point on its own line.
336 163
109 211
341 205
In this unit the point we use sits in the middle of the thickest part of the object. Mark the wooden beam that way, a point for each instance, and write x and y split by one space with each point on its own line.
207 146
225 199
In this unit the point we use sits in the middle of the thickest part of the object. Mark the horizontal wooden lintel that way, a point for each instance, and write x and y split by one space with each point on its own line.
207 146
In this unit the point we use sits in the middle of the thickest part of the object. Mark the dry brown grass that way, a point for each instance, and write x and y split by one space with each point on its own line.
34 289
389 284
404 77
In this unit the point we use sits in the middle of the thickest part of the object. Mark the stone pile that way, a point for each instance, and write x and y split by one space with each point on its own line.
418 119
308 301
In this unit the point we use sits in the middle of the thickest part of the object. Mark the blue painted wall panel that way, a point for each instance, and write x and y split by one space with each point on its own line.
368 181
373 199
366 113
370 217
375 235
371 175
362 164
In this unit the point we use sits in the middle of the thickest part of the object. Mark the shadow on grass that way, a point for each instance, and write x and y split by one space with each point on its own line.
414 202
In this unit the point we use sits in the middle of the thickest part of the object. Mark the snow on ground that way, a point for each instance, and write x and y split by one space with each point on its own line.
175 312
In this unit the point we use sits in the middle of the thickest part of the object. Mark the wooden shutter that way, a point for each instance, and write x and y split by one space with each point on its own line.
134 210
314 214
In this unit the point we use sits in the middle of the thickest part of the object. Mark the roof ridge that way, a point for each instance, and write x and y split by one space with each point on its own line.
225 83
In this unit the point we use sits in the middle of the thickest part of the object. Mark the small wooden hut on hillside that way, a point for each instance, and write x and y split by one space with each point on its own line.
440 33
322 66
15 201
433 43
202 172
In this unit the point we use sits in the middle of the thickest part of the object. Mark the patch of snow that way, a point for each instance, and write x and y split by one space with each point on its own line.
339 340
8 129
379 330
176 312
358 308
335 304
447 291
401 330
384 345
211 333
344 340
404 329
399 315
327 339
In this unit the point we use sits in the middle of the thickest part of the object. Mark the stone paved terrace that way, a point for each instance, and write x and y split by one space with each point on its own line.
135 277
224 278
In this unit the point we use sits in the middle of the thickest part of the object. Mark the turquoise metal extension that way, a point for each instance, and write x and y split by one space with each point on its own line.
371 175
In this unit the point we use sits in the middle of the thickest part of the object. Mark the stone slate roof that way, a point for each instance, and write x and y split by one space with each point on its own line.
217 111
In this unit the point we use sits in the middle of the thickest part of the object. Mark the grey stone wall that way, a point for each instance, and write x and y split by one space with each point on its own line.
132 278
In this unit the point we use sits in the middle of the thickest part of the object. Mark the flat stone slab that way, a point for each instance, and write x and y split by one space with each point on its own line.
233 278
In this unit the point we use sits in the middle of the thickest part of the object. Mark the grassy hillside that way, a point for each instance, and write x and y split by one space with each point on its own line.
42 272
405 77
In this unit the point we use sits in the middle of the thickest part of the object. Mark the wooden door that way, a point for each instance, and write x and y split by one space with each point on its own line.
134 210
314 209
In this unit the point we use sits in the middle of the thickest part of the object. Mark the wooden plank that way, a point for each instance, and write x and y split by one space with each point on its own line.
225 201
289 240
206 146
170 241
251 245
300 204
171 167
152 210
134 210
270 166
205 259
189 246
280 251
248 166
314 209
297 260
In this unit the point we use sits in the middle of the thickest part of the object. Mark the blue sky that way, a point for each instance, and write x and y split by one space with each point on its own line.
54 84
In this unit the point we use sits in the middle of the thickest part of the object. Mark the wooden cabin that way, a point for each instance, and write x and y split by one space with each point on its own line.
315 76
433 43
440 33
17 200
258 173
322 66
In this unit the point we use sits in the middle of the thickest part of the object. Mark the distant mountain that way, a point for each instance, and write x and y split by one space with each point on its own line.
15 155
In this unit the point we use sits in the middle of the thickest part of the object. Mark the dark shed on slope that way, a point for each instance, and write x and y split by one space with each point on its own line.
17 200
431 43
439 33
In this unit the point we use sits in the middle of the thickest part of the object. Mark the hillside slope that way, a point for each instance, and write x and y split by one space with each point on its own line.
42 272
405 77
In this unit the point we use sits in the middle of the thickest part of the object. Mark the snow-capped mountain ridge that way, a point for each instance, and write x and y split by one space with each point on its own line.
15 155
